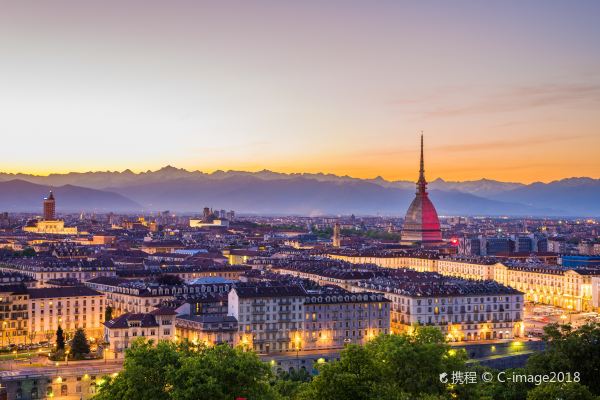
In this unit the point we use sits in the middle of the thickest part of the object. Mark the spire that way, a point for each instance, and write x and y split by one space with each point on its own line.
422 183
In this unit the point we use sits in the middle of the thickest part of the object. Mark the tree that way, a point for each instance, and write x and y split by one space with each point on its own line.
181 372
79 346
108 313
28 252
166 279
562 391
31 335
568 350
392 367
60 339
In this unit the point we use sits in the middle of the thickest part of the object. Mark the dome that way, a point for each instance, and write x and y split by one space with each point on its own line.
421 223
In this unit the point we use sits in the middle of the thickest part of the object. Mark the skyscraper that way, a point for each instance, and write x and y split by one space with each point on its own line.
50 208
421 223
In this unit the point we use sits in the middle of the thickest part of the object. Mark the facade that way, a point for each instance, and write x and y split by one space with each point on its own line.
336 240
49 224
45 269
50 208
569 288
209 329
200 223
334 318
119 332
463 310
421 223
70 308
269 317
14 314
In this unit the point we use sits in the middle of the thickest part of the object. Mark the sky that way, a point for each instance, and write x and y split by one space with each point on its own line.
506 90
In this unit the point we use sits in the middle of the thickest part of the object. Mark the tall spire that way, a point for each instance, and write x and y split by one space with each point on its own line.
422 183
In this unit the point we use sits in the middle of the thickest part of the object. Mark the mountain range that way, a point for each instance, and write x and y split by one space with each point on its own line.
268 192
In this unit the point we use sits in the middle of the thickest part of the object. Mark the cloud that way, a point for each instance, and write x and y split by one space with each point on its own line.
524 97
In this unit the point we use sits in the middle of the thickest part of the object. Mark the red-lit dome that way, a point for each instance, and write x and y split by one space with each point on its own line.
421 223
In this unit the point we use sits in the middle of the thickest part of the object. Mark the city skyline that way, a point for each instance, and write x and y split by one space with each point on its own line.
508 92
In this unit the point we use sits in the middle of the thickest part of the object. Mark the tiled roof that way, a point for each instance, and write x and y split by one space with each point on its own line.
73 291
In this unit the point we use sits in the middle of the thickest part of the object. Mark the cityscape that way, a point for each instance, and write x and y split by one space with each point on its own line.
308 257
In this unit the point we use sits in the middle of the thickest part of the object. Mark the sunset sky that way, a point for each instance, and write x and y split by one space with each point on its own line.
506 90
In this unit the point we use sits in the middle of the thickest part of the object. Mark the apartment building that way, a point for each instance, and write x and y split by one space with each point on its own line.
269 317
70 308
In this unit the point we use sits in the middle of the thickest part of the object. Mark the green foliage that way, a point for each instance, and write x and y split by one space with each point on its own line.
166 279
79 346
60 339
562 391
27 252
391 367
571 351
108 313
182 372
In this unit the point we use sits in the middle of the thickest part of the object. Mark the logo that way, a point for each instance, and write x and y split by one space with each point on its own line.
444 377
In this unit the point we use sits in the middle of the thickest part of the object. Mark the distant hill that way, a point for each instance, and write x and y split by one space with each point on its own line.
21 196
578 196
269 192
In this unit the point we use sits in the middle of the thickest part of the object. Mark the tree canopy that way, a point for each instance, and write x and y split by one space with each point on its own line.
60 339
182 372
79 346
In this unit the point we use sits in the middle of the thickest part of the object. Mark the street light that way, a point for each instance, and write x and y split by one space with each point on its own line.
67 357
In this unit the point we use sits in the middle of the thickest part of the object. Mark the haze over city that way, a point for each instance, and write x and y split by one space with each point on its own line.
506 90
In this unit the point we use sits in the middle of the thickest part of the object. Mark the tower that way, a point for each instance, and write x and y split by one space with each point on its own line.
336 235
421 223
50 208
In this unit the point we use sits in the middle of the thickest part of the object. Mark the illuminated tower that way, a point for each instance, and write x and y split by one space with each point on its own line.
50 208
421 224
336 235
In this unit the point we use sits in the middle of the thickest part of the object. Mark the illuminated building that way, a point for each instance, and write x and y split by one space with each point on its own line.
463 310
68 307
421 223
14 315
569 288
269 317
49 224
50 208
158 325
335 317
336 240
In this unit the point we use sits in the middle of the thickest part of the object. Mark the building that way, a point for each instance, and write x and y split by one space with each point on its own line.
463 310
70 308
217 222
43 269
14 314
336 240
50 208
269 317
557 245
565 287
210 329
421 223
334 317
119 332
49 224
